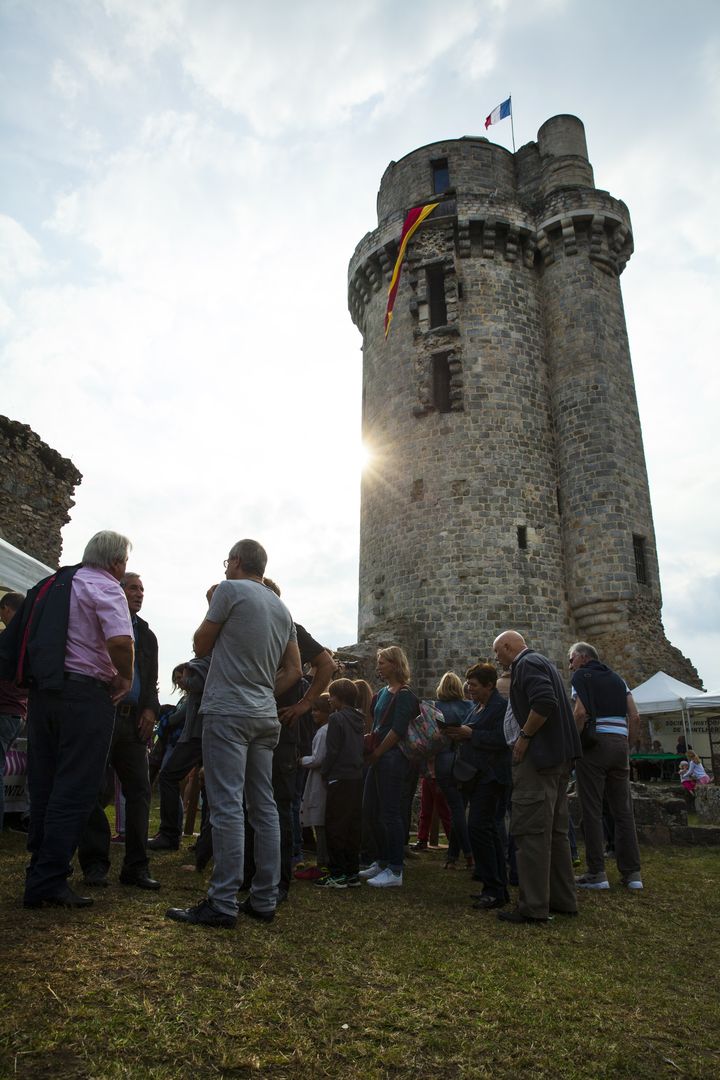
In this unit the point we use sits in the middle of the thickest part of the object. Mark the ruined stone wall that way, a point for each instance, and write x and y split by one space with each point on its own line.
516 500
36 492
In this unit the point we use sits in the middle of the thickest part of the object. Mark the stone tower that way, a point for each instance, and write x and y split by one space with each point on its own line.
508 485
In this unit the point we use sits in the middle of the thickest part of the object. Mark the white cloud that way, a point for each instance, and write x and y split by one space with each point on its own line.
302 67
21 256
200 175
64 80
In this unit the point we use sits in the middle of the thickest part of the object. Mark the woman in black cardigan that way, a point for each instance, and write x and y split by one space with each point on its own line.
481 743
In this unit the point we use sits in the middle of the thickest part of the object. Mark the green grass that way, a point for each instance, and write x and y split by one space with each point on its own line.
401 983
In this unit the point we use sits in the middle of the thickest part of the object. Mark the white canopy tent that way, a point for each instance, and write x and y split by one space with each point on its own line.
661 694
18 571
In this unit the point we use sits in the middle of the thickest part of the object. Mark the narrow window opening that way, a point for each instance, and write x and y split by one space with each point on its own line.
640 559
417 493
522 537
441 176
426 649
559 503
435 276
441 383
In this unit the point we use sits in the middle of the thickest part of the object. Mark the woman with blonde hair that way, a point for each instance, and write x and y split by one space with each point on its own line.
455 708
395 706
364 701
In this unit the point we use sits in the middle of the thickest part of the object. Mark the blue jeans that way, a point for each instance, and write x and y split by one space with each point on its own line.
9 728
453 796
238 758
383 810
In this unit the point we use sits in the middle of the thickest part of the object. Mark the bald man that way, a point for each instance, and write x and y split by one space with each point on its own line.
545 742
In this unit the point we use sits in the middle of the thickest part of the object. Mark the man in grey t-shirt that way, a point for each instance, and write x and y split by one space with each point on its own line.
255 656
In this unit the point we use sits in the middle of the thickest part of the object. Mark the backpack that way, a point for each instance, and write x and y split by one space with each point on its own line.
424 736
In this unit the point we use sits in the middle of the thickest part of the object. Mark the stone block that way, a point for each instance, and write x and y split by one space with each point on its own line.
707 803
654 835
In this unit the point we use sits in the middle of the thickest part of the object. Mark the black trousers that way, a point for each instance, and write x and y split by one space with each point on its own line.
343 826
184 757
69 736
487 847
129 758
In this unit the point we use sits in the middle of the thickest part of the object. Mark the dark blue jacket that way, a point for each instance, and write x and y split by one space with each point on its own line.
43 617
609 692
487 750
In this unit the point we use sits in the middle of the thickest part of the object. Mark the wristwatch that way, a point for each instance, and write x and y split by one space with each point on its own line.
524 735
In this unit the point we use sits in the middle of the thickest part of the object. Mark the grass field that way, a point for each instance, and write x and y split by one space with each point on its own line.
400 983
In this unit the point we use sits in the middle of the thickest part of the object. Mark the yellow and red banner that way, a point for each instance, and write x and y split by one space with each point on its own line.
415 218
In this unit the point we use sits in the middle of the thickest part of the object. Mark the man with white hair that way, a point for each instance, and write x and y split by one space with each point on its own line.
545 742
603 702
71 644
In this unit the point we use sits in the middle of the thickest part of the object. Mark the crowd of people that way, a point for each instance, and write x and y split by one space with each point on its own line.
287 743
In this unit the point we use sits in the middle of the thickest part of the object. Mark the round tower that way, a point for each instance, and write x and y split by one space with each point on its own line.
507 485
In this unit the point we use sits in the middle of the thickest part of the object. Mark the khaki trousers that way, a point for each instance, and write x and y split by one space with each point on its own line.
539 826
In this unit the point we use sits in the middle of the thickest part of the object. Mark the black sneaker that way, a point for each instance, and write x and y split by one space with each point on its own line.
330 882
263 916
65 898
202 914
161 843
96 877
353 881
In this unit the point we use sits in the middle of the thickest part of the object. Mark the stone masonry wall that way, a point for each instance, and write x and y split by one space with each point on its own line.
514 501
36 492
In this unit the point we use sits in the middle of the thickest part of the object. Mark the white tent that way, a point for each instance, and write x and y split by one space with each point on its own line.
661 694
18 571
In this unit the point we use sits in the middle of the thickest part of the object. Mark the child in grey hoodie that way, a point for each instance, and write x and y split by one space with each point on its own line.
343 772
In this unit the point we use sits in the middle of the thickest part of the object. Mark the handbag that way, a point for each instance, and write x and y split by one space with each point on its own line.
424 736
462 770
371 741
588 735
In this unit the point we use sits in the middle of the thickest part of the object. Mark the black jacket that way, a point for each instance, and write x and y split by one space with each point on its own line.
344 745
43 619
487 749
536 684
147 661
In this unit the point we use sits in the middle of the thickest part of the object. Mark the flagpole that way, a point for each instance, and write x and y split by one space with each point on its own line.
512 125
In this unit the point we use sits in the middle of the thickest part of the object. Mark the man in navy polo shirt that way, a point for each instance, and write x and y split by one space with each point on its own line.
604 769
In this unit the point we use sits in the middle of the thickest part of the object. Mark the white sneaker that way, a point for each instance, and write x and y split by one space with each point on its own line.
372 871
386 880
633 883
592 881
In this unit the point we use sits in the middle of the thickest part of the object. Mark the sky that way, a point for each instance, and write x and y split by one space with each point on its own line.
182 185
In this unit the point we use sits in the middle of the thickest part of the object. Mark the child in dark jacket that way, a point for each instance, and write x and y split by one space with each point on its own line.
342 770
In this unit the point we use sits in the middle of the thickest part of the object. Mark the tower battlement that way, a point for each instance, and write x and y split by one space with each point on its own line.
508 485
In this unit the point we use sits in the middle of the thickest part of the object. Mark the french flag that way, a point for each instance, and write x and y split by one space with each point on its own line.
499 113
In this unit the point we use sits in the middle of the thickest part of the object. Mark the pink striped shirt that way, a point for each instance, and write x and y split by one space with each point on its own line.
98 611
